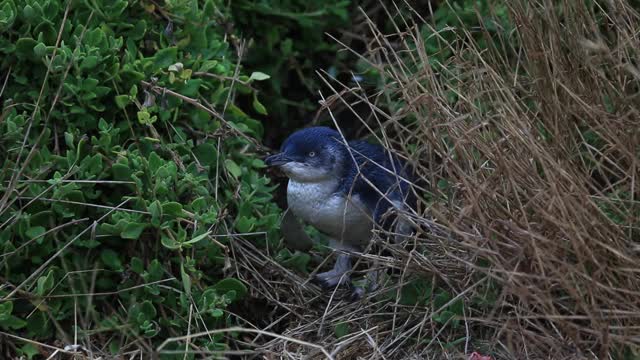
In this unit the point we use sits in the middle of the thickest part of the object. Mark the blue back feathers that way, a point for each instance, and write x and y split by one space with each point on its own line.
379 178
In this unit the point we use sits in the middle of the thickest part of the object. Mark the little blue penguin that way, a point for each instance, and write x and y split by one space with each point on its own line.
343 189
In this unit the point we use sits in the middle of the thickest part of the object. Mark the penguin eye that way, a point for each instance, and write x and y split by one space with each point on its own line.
312 154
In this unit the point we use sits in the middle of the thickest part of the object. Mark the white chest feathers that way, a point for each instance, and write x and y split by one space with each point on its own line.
346 220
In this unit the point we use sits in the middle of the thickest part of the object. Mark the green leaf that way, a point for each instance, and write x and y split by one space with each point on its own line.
216 313
68 140
245 224
444 316
165 57
30 350
206 154
133 92
209 8
443 184
417 291
122 101
156 212
110 259
148 310
341 330
155 162
44 284
138 31
7 16
458 341
230 284
299 261
259 108
121 172
6 308
145 118
95 37
47 30
199 204
13 322
197 238
136 265
24 48
258 76
172 208
258 164
36 231
169 243
133 230
89 62
186 280
40 50
457 307
233 168
103 126
441 299
155 271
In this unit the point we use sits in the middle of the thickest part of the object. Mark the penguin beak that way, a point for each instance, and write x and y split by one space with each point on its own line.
278 159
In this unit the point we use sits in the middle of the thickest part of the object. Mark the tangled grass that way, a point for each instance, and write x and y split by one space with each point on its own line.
528 150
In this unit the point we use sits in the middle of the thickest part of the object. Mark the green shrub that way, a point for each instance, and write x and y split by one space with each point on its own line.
288 41
114 178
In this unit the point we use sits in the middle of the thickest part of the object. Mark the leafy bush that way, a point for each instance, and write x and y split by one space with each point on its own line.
126 165
287 40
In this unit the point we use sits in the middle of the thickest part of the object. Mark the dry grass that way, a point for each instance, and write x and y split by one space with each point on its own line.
537 161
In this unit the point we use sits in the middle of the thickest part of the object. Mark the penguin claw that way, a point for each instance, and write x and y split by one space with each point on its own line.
329 280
